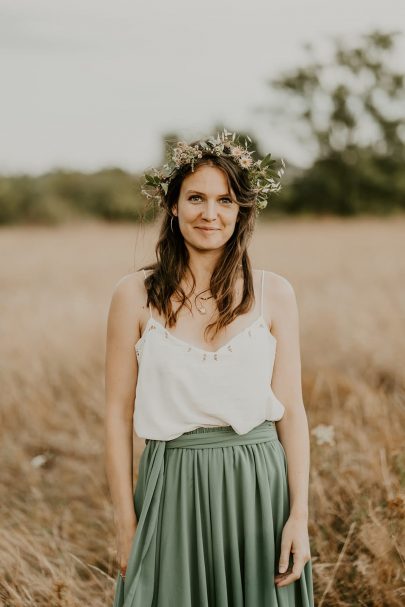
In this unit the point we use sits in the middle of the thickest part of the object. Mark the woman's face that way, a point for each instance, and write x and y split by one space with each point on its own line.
206 212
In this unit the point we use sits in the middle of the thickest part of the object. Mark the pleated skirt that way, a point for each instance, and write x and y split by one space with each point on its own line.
211 506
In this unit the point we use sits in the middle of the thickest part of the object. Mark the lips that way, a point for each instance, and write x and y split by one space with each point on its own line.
207 229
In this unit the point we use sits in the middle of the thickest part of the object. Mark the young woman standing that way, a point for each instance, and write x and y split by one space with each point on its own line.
219 517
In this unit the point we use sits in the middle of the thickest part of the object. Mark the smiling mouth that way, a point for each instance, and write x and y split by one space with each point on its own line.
207 229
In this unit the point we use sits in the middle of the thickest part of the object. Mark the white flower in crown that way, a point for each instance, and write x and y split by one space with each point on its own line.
263 177
245 161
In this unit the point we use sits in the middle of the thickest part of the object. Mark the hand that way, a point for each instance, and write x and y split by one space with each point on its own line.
125 539
294 539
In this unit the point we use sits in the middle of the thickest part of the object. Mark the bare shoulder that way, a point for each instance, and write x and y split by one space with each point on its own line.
128 302
128 289
278 285
279 298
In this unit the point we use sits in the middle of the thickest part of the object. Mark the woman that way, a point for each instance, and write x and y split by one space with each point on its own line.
215 519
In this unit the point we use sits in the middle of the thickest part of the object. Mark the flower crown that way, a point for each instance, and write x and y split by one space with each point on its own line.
263 177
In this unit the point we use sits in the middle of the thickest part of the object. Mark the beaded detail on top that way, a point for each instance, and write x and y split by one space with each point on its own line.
205 354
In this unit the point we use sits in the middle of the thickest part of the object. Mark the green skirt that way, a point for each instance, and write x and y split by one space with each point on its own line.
211 506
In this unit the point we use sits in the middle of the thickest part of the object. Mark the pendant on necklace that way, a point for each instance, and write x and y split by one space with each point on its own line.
202 309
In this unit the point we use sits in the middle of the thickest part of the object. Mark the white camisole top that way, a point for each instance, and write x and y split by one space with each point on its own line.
181 387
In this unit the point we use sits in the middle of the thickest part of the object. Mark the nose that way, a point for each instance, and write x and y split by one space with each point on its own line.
209 210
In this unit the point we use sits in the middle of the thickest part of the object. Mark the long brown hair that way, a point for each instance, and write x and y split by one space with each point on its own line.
172 255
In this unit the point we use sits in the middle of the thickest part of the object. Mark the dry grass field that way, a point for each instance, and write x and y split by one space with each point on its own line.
57 542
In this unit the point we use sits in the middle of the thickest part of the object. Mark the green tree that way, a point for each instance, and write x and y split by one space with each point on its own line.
350 110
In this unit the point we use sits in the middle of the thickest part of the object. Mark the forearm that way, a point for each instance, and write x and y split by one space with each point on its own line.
119 468
294 436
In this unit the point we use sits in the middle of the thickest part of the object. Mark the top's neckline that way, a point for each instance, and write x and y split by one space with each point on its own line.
189 345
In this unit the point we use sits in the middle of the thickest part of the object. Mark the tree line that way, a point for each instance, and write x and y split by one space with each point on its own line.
347 109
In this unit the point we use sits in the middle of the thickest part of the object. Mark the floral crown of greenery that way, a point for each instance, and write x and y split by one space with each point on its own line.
264 179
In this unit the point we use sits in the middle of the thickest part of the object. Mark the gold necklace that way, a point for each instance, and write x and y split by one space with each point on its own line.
202 309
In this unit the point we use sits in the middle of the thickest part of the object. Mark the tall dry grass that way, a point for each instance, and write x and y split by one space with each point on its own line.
57 542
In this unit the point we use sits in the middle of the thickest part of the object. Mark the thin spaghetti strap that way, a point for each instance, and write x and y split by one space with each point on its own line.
261 305
150 307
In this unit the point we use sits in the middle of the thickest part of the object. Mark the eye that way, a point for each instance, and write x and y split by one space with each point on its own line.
228 200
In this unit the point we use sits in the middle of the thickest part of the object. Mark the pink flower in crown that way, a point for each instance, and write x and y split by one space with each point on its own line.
184 153
245 162
238 151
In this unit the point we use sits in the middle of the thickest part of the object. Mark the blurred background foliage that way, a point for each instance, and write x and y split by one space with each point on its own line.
348 110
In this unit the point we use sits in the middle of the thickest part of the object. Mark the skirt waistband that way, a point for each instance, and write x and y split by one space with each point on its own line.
223 436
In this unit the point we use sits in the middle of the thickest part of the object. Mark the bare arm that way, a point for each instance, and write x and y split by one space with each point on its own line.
293 426
120 384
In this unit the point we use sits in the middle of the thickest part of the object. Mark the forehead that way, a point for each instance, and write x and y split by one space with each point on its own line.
207 179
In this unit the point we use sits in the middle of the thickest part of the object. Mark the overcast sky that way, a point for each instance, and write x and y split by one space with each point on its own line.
89 83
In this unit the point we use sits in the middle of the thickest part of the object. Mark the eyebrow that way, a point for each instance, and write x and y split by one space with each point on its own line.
202 193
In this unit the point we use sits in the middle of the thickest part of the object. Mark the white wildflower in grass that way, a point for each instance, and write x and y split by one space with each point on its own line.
39 460
363 564
324 434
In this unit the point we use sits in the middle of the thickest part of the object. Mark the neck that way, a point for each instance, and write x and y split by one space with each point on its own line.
202 268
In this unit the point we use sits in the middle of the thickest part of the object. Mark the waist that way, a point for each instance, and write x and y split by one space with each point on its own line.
223 436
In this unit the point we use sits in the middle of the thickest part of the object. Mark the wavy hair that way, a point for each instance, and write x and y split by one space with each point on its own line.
172 255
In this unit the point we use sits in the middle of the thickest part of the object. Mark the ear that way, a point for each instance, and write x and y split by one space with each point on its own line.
174 210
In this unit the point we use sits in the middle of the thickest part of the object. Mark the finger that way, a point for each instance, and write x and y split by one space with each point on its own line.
284 556
282 576
298 563
293 575
287 580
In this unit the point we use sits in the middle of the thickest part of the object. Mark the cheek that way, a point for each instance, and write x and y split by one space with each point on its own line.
189 214
230 220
